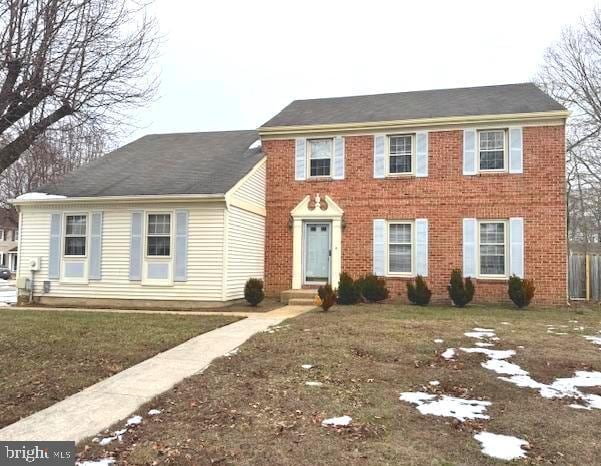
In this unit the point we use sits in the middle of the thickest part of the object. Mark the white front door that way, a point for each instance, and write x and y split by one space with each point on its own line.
317 253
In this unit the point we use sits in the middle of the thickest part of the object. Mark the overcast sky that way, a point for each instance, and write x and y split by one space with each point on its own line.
232 65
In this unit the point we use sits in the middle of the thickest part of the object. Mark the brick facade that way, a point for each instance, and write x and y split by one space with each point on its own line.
445 197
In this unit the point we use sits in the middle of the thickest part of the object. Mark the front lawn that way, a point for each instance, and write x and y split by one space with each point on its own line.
254 407
46 356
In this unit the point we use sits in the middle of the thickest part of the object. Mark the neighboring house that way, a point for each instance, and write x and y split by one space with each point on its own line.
419 183
168 220
393 184
9 238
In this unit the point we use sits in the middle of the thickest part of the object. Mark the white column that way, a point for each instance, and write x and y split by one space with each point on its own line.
297 254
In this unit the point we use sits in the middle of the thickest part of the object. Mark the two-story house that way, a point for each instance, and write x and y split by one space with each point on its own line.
393 184
9 238
419 183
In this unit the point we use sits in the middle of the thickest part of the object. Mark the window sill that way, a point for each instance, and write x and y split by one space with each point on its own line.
400 175
401 275
492 279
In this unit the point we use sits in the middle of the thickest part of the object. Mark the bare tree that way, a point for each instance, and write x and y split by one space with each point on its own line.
571 73
80 62
49 158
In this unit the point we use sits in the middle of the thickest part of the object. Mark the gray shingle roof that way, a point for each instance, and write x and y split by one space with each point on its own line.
160 164
487 100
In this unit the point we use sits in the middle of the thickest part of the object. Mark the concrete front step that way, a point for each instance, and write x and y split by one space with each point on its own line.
301 302
307 296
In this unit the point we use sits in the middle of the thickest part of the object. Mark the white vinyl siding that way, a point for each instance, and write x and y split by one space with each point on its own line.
252 190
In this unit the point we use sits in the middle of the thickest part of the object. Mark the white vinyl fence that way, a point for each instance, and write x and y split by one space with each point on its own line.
584 276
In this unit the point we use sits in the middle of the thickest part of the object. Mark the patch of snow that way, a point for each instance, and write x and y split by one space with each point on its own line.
39 197
438 340
492 354
446 406
520 347
434 383
579 407
102 462
255 145
503 367
524 381
479 334
503 447
573 321
154 412
232 352
449 353
505 323
594 339
313 384
479 329
481 344
307 366
337 421
134 421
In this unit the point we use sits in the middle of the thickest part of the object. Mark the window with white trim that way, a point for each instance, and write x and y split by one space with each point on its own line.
401 149
492 242
158 235
400 248
75 235
492 149
320 157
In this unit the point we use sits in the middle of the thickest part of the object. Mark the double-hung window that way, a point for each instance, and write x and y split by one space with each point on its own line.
320 157
400 154
158 238
400 248
493 248
75 235
492 147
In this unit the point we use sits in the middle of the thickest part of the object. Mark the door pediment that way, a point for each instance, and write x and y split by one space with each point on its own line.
317 207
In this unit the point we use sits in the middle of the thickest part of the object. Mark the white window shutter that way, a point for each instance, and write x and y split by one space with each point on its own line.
515 150
95 264
379 156
54 251
379 253
421 154
181 246
516 246
470 247
136 241
300 160
338 169
421 246
470 159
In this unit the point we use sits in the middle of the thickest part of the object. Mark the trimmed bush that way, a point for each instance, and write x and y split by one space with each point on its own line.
348 290
461 291
373 288
521 290
253 291
327 296
419 293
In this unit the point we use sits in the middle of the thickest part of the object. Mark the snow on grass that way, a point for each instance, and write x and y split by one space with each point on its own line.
313 384
341 421
503 447
481 344
438 340
39 197
154 412
593 339
446 406
449 353
307 366
503 367
102 462
491 354
134 421
434 383
480 334
479 329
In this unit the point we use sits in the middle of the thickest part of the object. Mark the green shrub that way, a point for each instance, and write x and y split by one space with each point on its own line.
348 290
461 291
373 288
521 291
327 296
419 293
253 291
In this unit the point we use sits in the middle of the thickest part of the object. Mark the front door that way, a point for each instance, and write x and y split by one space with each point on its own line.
317 253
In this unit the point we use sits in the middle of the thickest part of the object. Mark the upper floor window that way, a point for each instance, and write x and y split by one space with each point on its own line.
320 157
400 248
492 149
15 235
400 154
158 239
75 235
493 248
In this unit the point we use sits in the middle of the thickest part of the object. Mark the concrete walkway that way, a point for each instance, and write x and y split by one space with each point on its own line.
97 407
